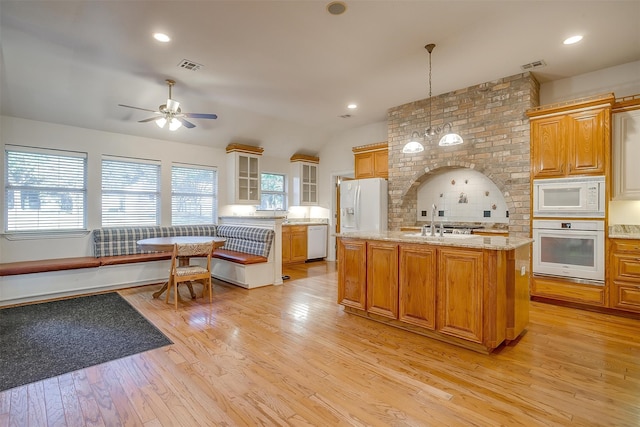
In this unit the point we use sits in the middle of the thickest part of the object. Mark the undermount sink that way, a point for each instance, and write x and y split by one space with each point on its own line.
444 236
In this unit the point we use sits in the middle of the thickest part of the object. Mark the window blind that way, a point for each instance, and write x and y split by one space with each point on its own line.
130 192
44 189
193 195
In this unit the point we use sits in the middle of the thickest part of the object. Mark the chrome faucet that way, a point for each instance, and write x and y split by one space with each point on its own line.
432 230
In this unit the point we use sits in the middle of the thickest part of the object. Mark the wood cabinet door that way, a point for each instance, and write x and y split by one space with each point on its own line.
417 288
352 273
460 293
587 141
548 156
364 165
381 163
626 152
299 243
382 278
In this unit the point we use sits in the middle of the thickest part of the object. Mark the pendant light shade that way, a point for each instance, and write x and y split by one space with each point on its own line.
412 147
450 138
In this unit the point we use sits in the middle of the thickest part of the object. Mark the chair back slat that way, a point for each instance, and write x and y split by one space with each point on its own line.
194 249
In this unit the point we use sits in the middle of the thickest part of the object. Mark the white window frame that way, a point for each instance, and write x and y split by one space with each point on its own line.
60 188
196 194
113 215
283 193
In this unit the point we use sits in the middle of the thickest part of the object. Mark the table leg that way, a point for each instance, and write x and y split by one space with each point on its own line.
156 295
182 261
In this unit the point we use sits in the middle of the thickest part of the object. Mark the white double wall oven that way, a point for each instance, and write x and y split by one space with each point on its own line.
569 229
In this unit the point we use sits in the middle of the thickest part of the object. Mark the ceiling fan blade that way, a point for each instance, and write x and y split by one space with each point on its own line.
186 123
150 119
200 116
172 105
137 108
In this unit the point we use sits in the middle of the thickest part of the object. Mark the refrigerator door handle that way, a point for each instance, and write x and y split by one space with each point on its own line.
357 208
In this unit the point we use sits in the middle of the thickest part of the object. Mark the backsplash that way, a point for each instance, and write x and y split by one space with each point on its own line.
491 119
461 195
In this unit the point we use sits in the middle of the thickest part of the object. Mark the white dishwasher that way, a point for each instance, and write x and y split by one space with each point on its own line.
316 241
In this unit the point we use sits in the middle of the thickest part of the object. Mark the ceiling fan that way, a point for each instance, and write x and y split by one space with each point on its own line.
171 113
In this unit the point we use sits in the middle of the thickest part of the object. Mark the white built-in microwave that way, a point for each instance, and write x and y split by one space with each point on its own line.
569 197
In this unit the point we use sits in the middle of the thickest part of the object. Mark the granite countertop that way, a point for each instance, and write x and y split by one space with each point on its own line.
624 232
303 222
457 240
253 217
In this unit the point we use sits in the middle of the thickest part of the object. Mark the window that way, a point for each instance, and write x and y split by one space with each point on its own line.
44 189
273 195
130 192
193 195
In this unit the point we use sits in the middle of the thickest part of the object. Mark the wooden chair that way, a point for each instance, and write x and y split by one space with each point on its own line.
182 271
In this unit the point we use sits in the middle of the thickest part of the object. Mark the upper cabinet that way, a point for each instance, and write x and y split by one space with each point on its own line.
371 161
626 149
304 180
571 139
243 163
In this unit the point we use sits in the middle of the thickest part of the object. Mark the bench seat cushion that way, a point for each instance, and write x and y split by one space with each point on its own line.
129 259
238 257
40 266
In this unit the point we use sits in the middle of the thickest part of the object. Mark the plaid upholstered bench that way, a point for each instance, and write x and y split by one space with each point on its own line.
246 258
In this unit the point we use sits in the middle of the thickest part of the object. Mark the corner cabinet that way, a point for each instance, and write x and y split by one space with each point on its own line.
571 139
304 180
371 161
626 149
243 164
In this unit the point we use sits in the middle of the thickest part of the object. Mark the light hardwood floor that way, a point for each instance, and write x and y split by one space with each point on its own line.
289 355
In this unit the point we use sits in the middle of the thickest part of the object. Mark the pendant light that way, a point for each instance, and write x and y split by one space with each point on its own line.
450 138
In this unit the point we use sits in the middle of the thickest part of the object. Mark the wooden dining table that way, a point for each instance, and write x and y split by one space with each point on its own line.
166 244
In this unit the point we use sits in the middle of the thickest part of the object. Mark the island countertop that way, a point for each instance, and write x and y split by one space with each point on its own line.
457 240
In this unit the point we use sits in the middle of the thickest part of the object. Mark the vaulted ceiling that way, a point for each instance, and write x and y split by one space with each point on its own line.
280 74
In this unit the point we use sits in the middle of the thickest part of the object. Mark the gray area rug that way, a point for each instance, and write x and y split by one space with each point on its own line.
44 340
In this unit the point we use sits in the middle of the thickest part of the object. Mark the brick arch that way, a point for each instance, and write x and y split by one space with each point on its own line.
409 192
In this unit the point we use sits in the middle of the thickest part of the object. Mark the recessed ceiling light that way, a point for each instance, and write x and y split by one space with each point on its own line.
336 8
572 40
352 106
161 37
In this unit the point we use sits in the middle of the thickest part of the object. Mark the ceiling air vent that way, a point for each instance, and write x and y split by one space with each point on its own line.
534 65
189 65
345 116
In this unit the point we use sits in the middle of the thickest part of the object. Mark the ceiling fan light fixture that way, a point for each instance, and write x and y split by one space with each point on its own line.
174 124
161 122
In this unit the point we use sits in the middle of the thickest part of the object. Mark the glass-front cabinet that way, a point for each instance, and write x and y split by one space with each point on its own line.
244 171
304 180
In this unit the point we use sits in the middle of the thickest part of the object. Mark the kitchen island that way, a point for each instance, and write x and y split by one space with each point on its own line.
471 291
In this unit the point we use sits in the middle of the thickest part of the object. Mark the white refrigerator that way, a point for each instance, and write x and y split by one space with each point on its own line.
363 205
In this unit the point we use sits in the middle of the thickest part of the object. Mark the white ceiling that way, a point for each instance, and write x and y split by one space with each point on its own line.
280 73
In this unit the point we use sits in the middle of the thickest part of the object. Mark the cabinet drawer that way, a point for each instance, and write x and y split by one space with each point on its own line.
295 228
632 246
626 267
568 291
625 296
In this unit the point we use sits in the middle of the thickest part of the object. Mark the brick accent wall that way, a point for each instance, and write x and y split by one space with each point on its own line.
491 119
